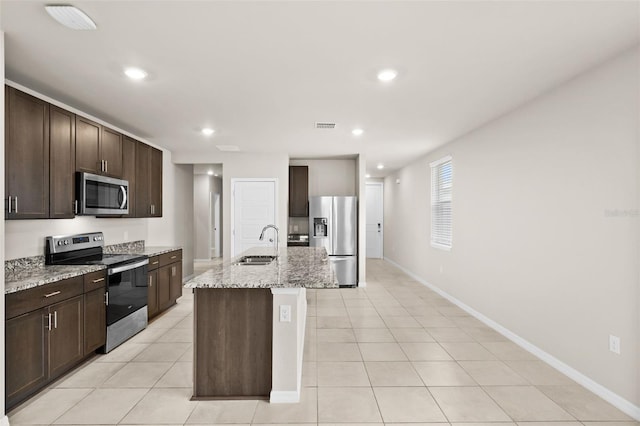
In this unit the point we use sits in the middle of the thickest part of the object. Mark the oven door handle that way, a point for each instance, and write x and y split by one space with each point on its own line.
127 267
124 197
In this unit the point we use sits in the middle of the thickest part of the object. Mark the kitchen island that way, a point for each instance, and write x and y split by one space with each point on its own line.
249 324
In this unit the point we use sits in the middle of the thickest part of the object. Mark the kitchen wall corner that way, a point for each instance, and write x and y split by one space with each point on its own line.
361 184
4 420
175 227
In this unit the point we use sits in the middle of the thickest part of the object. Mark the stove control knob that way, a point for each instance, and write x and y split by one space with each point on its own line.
59 243
66 242
95 238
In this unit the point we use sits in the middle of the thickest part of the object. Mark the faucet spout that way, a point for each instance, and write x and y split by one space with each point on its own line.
275 228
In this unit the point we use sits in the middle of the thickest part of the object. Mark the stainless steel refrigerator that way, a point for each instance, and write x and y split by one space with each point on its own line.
333 224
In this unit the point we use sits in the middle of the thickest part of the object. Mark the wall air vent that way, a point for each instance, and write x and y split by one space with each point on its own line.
325 125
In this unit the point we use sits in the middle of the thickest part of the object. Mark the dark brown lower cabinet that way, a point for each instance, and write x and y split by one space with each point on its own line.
26 355
45 340
175 286
152 300
165 281
66 335
95 320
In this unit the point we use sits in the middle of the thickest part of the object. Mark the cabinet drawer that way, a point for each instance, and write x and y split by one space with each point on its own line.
95 280
35 298
171 257
154 262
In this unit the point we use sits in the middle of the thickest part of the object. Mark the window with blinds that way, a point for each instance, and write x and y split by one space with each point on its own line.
441 181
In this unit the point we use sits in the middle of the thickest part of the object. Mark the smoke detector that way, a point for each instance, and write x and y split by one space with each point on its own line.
71 17
325 125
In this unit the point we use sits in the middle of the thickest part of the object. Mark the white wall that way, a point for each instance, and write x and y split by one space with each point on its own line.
361 170
330 177
535 247
202 216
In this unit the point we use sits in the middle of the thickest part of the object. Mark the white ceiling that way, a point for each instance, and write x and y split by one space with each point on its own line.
261 73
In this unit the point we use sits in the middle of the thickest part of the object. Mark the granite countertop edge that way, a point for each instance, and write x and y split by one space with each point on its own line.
36 276
298 267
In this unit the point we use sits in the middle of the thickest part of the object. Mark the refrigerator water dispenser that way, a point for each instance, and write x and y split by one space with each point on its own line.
319 227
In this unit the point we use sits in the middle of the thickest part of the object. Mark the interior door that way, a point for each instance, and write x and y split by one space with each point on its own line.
375 220
254 207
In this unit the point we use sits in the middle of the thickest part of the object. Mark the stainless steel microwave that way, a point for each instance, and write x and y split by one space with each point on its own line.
101 195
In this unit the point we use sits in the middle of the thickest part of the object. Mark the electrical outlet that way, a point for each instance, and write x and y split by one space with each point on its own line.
285 313
614 344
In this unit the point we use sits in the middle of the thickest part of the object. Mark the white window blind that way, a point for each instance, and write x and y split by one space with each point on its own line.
441 182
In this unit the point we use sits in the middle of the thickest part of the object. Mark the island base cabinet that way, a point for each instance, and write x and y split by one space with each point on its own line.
25 355
165 282
232 343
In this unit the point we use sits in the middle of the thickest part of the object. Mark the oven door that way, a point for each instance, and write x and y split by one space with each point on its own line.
101 195
127 290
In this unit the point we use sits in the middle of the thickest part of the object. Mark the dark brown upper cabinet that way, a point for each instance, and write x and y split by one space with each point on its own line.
298 191
111 152
26 156
88 135
148 197
98 149
129 172
62 141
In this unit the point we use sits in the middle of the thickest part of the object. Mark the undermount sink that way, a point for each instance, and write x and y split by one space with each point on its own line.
255 260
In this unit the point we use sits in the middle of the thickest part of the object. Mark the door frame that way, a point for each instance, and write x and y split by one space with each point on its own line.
216 223
233 205
381 185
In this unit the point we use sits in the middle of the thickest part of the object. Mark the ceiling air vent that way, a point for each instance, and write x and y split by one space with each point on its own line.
325 125
71 17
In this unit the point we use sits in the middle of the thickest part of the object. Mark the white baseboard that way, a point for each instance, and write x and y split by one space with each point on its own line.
284 397
4 421
611 397
362 283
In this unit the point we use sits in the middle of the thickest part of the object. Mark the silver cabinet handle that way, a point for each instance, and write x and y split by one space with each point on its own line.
173 271
9 205
173 257
55 293
15 204
49 325
55 319
102 165
150 208
75 207
106 298
150 280
106 166
98 280
155 263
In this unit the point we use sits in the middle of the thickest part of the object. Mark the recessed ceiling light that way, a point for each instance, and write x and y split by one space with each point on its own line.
71 17
380 166
387 75
207 131
228 147
357 132
215 174
210 172
367 175
135 73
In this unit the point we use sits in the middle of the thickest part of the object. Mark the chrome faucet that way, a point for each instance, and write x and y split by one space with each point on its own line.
277 237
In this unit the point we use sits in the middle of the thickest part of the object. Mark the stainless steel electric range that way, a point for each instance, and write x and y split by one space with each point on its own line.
126 297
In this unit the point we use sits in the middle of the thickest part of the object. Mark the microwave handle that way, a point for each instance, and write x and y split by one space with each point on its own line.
124 197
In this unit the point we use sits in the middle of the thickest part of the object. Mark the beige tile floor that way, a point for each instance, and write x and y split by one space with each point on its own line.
393 353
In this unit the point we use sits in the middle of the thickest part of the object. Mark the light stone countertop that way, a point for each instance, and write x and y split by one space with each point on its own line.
296 267
23 279
33 273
